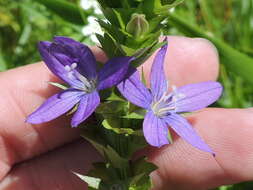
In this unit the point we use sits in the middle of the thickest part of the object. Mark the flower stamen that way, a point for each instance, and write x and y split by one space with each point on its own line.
167 103
87 85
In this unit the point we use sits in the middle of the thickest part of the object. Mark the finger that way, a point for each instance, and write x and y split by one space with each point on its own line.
188 60
53 170
229 132
26 88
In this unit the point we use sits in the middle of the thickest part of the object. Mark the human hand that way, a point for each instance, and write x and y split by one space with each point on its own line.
31 157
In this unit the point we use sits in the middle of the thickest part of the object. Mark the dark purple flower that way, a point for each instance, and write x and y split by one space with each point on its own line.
75 64
163 108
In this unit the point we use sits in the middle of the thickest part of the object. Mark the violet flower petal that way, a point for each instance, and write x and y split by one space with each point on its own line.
60 53
54 65
158 80
55 106
88 64
113 72
182 127
70 51
87 106
155 130
197 96
135 91
71 46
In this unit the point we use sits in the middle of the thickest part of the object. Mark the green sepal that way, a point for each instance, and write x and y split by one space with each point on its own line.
170 136
61 86
91 181
73 110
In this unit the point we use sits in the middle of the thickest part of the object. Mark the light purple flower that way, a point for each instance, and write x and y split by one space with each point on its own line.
163 108
75 64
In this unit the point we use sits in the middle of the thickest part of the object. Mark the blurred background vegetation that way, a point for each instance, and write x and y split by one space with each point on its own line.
227 23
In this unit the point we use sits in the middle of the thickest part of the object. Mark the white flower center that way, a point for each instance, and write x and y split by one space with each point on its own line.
167 103
87 85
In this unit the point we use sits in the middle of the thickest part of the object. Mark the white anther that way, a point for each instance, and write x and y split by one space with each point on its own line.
181 95
167 84
174 88
73 66
67 68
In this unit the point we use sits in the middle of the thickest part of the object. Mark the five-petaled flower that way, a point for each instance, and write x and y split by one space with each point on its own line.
163 107
75 64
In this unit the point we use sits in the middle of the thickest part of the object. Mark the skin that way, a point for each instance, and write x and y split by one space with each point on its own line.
41 156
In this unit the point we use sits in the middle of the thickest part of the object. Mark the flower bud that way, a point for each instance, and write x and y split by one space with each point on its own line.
138 25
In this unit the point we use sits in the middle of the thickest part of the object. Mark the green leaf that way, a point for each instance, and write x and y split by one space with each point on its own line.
116 160
171 3
107 125
109 46
105 150
142 166
164 8
110 108
159 7
135 112
148 52
68 11
96 141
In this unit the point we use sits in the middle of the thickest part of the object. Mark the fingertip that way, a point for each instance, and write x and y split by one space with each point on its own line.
189 60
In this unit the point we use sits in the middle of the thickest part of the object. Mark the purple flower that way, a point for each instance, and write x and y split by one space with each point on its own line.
163 108
75 64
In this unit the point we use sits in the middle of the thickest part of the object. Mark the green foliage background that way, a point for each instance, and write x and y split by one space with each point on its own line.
227 23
